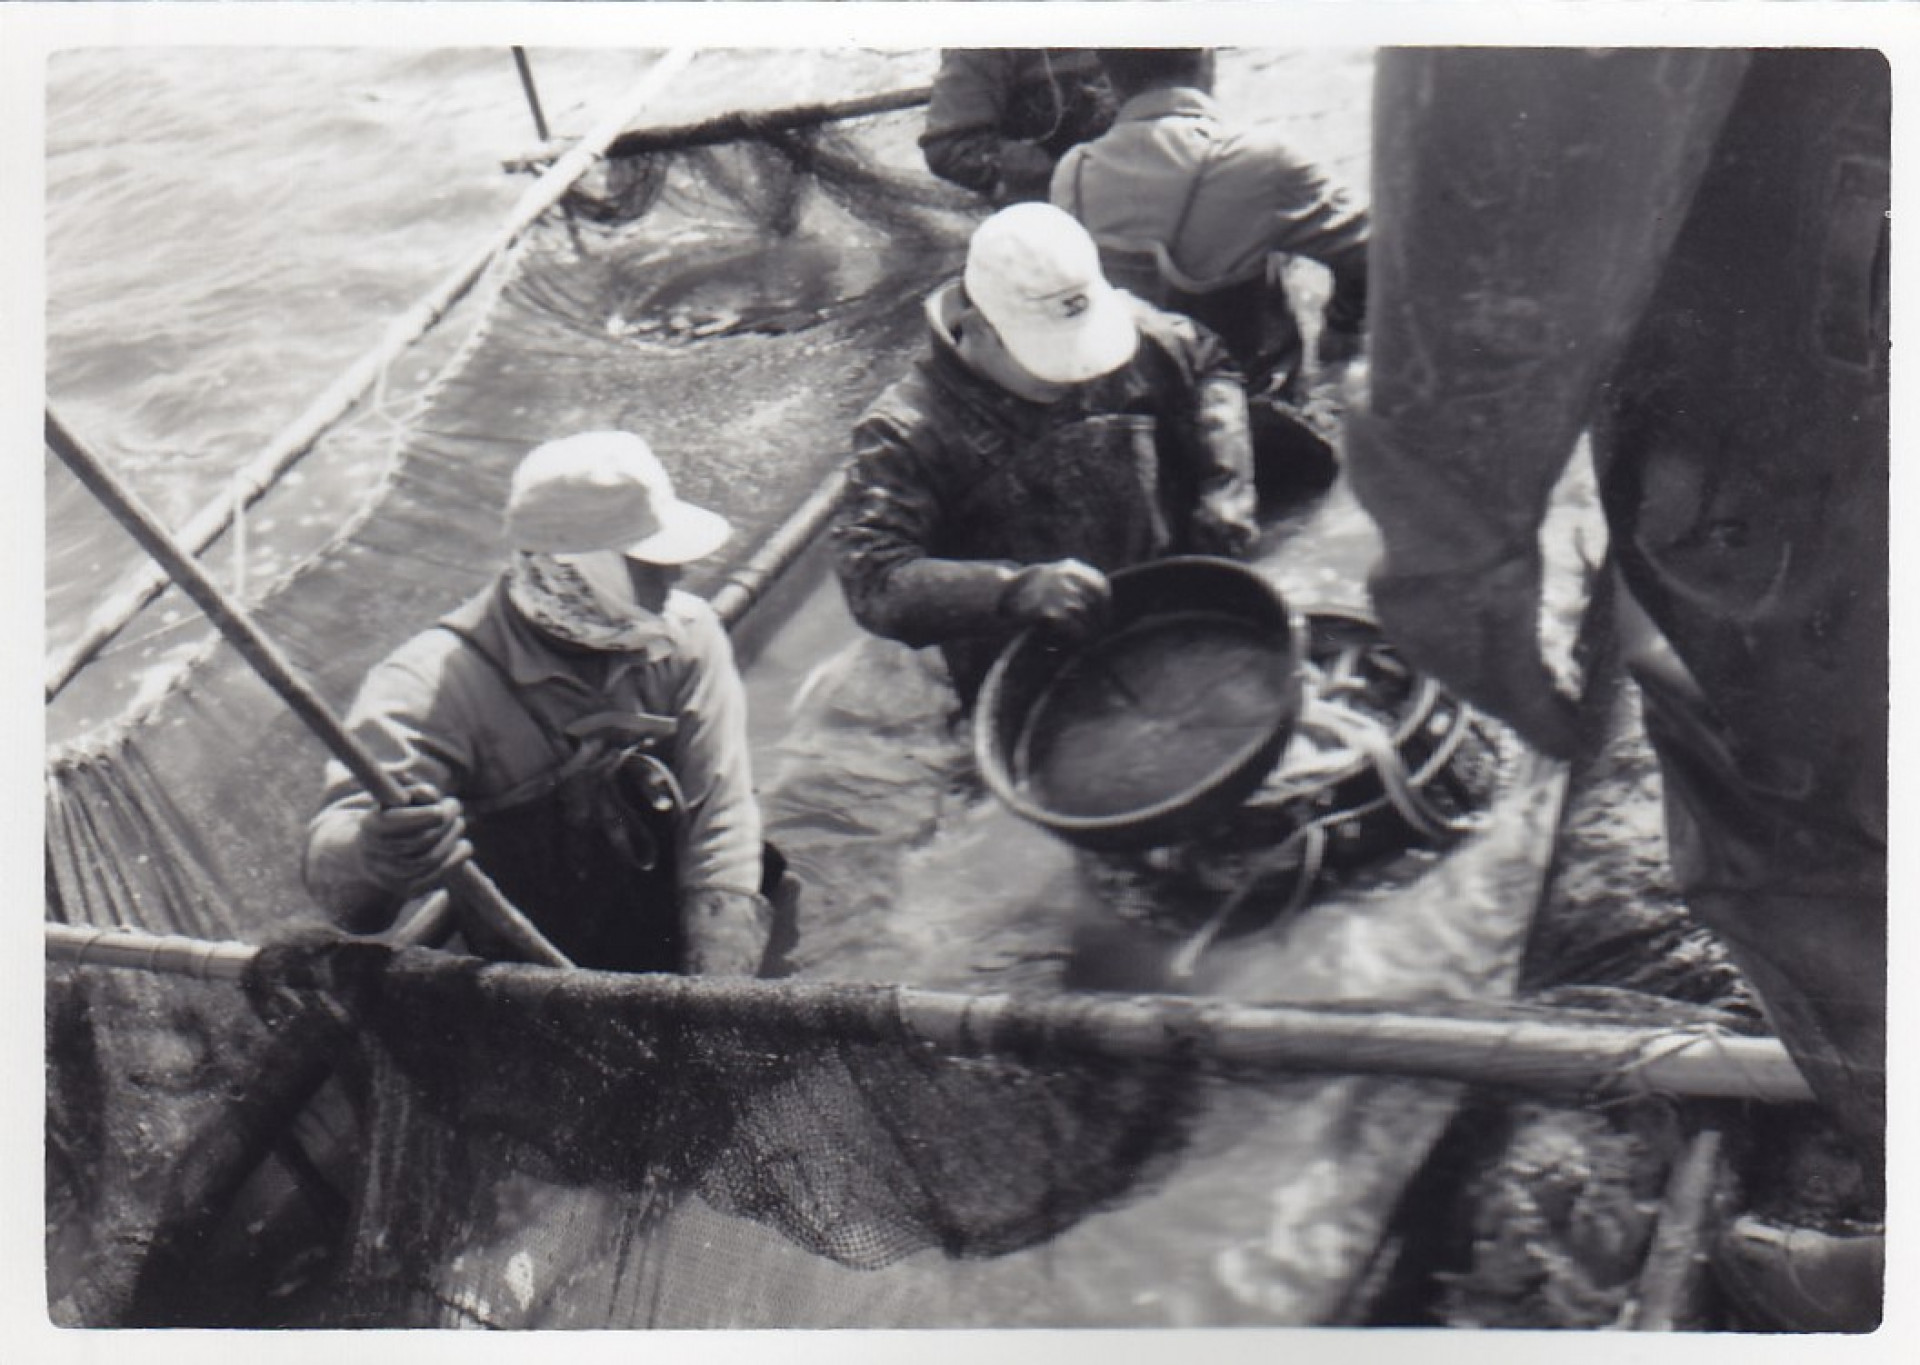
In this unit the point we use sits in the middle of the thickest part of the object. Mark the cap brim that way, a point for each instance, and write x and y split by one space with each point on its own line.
1098 342
686 533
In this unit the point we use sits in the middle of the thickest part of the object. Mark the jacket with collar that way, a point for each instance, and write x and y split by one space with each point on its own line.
437 711
956 483
1219 196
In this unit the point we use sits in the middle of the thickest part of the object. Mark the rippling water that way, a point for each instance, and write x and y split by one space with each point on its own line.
228 229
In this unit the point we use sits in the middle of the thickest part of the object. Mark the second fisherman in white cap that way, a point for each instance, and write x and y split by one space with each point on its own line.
1056 429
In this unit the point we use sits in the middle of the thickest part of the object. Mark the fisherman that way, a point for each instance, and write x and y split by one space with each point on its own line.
999 118
579 727
1055 430
1688 251
1194 210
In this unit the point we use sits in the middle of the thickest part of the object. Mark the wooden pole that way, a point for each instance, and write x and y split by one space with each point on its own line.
475 892
747 584
260 474
521 65
1673 1278
1552 1051
734 127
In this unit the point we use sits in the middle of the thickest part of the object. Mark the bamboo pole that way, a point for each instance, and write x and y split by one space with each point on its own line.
475 892
296 440
747 584
736 126
171 954
1555 1051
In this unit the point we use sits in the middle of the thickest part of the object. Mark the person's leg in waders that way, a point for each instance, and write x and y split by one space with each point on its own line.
1293 460
1747 485
1693 244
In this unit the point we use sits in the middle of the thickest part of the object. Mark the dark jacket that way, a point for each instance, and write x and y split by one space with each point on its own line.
956 482
999 118
1189 207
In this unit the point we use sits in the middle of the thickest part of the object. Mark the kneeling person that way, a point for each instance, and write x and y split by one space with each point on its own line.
579 727
1055 430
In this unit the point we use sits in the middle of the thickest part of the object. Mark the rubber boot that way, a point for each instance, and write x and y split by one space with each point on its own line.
1791 1279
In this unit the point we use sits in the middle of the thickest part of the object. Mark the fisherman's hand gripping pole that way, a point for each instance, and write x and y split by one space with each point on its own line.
471 888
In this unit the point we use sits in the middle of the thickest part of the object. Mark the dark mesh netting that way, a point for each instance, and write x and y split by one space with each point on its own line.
820 1117
174 1123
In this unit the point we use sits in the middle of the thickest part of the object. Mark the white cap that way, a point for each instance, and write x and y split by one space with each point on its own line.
606 490
1034 273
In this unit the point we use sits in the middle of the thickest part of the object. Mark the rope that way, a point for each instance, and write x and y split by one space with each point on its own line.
1313 836
1373 742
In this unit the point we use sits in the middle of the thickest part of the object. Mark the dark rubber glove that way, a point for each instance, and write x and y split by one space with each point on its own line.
1065 595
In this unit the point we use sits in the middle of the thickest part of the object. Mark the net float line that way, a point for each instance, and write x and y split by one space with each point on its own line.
1546 1050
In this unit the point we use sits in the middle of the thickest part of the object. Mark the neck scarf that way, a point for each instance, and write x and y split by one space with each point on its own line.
572 601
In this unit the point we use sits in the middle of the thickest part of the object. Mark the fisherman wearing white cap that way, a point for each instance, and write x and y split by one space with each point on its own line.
580 727
1055 430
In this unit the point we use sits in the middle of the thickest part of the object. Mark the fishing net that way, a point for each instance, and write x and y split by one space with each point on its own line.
740 329
824 1124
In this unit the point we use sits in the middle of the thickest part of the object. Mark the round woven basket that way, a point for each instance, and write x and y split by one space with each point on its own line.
1172 714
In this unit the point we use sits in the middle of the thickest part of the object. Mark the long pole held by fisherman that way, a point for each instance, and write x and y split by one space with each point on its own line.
470 886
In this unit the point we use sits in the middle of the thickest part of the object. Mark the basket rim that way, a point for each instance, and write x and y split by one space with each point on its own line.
998 775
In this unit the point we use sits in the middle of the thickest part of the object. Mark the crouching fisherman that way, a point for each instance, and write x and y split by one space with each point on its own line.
1054 430
579 728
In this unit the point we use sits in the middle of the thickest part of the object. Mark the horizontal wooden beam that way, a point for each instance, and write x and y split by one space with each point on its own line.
1557 1051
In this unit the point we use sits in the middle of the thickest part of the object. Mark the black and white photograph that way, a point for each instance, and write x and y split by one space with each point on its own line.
929 668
